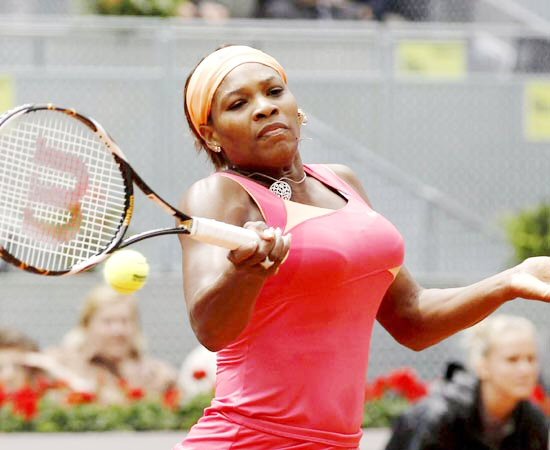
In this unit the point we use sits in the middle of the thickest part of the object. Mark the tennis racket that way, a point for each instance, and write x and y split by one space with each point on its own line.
66 194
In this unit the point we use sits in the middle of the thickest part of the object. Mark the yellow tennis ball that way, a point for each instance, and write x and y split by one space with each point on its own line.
126 271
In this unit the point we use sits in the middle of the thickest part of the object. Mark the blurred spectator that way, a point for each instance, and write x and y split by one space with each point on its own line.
490 410
14 347
107 349
197 373
344 9
22 365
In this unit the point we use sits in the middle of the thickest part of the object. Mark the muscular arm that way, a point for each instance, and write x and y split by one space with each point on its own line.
418 317
221 288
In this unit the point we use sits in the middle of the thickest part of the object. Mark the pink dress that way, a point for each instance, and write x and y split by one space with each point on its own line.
295 377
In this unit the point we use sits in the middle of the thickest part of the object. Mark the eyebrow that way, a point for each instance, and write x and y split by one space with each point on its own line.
240 90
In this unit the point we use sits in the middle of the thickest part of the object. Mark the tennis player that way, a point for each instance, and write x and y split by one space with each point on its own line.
293 338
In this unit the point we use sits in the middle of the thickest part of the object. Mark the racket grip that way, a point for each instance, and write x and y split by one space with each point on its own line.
221 234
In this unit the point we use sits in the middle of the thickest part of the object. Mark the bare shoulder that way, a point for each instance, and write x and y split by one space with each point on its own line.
219 198
350 177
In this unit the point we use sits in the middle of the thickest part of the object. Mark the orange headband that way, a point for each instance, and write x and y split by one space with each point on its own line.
212 70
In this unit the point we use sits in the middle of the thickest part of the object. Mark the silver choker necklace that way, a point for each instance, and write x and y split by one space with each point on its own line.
279 186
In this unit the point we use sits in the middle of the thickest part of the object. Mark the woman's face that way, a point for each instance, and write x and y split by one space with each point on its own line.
255 118
511 366
112 330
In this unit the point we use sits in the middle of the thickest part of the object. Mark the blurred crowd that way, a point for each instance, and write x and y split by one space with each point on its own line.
104 358
274 9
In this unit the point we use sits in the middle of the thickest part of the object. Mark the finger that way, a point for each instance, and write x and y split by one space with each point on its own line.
242 253
257 226
277 252
252 255
287 242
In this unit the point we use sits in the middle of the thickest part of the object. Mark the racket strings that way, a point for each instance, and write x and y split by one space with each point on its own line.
62 196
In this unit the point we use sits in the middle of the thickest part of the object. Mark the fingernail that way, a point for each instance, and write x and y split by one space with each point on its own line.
269 233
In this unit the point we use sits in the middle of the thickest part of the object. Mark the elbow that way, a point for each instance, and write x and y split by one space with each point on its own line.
210 340
215 336
412 342
413 337
417 345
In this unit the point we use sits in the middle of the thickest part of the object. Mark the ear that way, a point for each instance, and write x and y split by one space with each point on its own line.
208 133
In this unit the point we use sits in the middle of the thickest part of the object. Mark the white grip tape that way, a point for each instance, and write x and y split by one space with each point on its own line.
221 234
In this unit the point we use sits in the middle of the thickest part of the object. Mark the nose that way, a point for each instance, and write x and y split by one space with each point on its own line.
527 367
264 108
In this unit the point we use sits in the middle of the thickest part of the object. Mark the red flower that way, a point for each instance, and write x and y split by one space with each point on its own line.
377 389
80 398
135 394
538 396
199 374
25 403
171 398
3 396
406 383
43 384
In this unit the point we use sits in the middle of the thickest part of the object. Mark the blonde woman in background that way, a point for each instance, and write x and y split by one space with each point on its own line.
488 410
107 349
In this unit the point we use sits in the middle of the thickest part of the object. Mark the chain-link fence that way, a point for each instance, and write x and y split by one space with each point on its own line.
443 124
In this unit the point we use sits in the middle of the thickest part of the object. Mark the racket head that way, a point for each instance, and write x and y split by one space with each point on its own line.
66 191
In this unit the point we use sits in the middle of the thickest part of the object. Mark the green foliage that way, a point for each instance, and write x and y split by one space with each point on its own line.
162 8
50 415
189 414
9 421
529 232
140 416
381 412
146 415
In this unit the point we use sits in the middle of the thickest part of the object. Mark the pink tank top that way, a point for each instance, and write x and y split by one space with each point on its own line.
299 368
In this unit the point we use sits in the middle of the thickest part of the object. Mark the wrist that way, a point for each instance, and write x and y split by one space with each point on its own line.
508 285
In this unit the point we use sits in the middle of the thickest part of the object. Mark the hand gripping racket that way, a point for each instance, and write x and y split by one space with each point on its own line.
66 194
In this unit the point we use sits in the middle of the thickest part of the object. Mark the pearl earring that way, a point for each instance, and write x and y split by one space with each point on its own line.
302 118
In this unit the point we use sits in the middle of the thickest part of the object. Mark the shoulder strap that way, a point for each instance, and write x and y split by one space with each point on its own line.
327 176
271 207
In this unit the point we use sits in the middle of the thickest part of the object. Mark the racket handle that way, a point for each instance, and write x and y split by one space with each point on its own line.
221 234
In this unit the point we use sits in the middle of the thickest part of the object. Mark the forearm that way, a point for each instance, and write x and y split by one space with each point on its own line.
418 317
221 311
443 312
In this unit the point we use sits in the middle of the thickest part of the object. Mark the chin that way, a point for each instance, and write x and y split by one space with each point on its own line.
522 393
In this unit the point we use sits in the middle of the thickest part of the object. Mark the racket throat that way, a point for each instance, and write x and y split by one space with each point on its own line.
183 228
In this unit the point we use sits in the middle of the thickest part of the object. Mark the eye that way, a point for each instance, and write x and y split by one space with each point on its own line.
236 105
275 91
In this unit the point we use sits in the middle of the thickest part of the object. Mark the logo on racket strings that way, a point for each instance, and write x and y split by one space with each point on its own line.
58 182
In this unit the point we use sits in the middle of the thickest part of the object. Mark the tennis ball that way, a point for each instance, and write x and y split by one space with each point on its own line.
126 271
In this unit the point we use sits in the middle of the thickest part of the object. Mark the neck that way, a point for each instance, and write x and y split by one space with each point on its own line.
282 186
497 406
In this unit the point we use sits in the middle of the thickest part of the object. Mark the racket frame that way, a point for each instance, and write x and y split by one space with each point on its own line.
202 229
